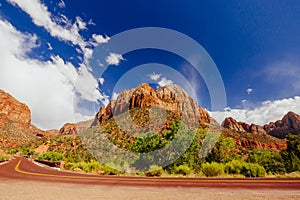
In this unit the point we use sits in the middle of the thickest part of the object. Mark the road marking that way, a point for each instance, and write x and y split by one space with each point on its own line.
17 169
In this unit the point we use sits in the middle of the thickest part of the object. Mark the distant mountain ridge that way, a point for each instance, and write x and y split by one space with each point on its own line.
290 123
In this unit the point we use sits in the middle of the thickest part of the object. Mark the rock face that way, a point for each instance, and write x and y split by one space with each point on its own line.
290 123
75 128
13 111
15 122
68 129
232 124
172 98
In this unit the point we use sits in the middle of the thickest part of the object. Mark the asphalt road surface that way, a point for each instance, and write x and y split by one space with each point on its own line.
25 170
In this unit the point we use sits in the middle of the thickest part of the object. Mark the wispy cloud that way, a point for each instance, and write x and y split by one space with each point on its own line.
284 75
114 59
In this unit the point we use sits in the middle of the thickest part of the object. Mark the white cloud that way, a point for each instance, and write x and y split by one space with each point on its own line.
268 111
114 59
100 39
101 80
249 90
40 85
49 87
62 4
49 46
70 32
115 96
154 76
164 81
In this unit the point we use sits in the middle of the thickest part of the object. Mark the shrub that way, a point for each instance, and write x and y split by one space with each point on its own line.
234 167
212 169
182 169
253 170
155 170
27 151
12 151
90 167
52 156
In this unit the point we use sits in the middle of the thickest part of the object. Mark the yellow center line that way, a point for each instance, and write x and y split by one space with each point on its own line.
17 169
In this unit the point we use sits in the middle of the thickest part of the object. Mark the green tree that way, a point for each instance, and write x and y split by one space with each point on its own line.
291 155
270 160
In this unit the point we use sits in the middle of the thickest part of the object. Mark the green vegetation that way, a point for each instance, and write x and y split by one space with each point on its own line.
52 156
186 151
12 151
93 166
292 154
183 169
155 170
212 169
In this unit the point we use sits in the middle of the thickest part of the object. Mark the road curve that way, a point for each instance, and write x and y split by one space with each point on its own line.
25 170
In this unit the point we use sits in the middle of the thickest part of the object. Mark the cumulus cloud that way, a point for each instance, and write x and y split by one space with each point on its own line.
41 85
114 59
47 87
154 76
164 81
266 112
100 39
249 90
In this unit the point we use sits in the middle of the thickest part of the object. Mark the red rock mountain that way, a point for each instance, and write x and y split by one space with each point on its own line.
75 128
172 98
290 123
15 122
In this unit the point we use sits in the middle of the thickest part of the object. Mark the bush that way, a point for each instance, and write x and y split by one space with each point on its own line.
155 170
234 167
90 167
12 151
253 170
182 169
212 169
52 156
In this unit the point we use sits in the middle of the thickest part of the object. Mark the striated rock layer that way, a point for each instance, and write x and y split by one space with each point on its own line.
172 98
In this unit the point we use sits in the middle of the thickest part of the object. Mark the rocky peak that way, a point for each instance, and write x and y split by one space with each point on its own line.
11 110
15 122
172 98
231 123
290 123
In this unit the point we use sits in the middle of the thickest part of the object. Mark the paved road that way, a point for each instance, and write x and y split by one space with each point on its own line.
23 169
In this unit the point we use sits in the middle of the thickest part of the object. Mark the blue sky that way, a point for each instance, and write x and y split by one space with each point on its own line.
48 48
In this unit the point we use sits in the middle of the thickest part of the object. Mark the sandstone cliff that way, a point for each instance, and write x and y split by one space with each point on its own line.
290 123
15 122
171 98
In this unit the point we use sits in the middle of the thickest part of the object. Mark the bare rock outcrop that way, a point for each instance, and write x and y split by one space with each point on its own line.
172 98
